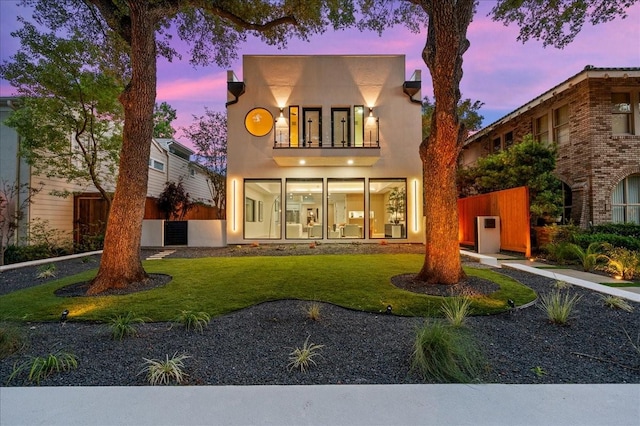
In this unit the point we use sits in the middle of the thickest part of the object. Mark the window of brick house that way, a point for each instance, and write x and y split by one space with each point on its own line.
508 140
496 145
625 200
561 125
541 129
621 114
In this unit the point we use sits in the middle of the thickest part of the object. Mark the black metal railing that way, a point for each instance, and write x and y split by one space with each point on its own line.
328 145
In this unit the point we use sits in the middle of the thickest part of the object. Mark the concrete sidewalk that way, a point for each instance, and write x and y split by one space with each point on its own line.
324 405
571 276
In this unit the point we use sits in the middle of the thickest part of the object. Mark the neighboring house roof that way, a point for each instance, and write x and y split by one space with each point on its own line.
175 147
588 72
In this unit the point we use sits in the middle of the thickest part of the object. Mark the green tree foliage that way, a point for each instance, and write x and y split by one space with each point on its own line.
208 133
557 23
163 116
69 120
468 111
527 163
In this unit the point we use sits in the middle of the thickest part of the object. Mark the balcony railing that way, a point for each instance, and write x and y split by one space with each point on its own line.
328 145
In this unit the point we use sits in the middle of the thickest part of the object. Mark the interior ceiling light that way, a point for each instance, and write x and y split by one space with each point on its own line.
302 162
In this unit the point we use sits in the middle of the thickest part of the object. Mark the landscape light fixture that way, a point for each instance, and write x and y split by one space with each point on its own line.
389 308
64 315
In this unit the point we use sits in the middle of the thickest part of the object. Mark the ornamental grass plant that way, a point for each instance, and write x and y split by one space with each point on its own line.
445 354
558 306
166 371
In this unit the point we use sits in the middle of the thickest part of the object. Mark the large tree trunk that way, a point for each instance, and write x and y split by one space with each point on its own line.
121 264
446 43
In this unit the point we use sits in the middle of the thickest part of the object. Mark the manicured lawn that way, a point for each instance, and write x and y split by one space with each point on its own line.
219 285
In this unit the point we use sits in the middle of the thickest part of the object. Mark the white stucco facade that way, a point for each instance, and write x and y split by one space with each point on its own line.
324 148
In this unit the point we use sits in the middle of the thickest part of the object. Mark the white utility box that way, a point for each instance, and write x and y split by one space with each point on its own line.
488 234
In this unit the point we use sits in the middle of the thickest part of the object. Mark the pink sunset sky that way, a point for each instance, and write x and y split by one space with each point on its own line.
498 70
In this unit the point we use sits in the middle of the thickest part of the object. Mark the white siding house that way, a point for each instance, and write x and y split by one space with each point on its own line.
168 161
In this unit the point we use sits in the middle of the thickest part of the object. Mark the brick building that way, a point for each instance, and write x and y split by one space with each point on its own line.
594 117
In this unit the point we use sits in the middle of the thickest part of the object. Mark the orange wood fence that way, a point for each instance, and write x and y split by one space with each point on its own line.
511 205
198 212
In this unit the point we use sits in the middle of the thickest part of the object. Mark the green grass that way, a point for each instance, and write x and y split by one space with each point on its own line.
221 285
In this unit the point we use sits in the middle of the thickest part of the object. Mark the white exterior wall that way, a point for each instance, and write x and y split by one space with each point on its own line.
275 82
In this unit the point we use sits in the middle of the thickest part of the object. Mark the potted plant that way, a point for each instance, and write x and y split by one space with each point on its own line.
396 204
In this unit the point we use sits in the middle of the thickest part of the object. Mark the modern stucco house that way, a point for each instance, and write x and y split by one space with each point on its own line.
594 117
324 148
168 161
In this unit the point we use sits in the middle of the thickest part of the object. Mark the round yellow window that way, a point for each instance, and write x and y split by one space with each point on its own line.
258 122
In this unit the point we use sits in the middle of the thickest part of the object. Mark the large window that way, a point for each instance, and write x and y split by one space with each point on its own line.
388 208
303 209
561 128
625 200
345 208
262 209
621 114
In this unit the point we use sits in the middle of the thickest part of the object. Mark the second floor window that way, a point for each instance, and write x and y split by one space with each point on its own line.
312 126
561 127
621 114
542 129
157 165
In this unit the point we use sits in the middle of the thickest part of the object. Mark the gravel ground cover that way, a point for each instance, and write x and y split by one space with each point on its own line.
252 346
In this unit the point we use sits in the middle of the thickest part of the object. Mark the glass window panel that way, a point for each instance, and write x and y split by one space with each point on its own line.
497 144
345 209
621 103
542 129
340 127
633 189
618 194
304 209
633 214
387 208
618 214
358 125
262 196
312 130
294 122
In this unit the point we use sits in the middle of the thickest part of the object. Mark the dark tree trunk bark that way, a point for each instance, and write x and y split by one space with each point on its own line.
121 264
446 43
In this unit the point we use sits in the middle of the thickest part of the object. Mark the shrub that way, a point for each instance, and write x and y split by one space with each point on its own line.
589 258
192 320
10 340
584 239
444 354
302 358
558 306
162 372
42 367
616 302
559 252
124 325
313 311
623 263
456 310
622 229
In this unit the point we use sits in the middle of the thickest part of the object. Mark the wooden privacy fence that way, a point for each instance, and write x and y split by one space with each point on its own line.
511 205
198 212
